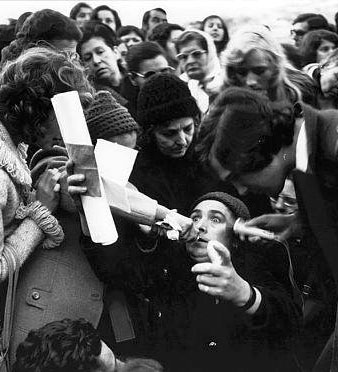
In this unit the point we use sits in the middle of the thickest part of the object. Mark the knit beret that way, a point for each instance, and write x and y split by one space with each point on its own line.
106 118
164 97
236 206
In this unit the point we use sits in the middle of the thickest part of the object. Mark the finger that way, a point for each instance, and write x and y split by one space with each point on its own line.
213 291
75 190
56 163
211 281
208 268
260 221
76 179
70 167
218 253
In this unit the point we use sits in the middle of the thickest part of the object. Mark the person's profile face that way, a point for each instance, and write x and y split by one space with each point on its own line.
214 221
157 64
298 31
170 45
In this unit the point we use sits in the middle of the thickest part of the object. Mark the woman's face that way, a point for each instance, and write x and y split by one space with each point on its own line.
256 72
173 140
83 16
214 27
101 60
107 17
213 221
329 79
324 49
194 60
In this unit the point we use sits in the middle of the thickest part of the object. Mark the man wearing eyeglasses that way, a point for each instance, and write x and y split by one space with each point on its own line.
143 60
306 22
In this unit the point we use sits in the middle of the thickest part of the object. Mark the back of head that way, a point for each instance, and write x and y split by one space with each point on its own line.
44 25
164 97
161 33
60 346
141 52
244 130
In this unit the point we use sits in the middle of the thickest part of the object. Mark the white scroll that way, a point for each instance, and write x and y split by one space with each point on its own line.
73 127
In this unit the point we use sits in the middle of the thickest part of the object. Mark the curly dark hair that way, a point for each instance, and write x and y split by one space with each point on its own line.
60 346
43 25
244 130
28 84
94 15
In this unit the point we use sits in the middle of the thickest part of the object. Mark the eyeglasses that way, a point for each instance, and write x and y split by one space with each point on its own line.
297 32
195 54
285 203
243 71
148 74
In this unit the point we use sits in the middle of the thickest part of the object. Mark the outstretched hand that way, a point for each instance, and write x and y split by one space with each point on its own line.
219 278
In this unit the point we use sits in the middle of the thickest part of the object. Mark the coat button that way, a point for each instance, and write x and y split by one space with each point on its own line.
212 344
35 295
165 273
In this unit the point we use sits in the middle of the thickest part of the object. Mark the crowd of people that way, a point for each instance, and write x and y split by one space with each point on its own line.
236 133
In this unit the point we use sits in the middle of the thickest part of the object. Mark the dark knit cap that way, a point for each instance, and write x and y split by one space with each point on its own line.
236 206
106 118
164 97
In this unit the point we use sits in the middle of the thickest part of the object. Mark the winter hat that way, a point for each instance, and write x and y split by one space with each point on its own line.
164 97
107 118
236 206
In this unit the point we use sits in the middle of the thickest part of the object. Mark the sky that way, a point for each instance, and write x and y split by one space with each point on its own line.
278 14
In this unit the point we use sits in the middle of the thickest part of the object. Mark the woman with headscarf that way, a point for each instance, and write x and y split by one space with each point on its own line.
202 70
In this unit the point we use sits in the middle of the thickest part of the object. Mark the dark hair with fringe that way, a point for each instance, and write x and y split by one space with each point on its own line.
60 346
311 42
75 10
93 29
220 45
43 25
96 10
189 36
244 130
161 33
140 52
28 84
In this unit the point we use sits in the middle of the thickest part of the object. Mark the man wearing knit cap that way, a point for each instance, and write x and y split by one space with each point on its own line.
246 314
109 120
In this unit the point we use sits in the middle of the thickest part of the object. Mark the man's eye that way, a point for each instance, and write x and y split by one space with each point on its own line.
195 218
215 219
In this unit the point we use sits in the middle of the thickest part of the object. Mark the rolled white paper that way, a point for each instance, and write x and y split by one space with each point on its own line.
74 130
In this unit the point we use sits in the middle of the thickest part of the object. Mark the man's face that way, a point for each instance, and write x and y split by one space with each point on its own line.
157 64
214 222
298 31
131 39
156 18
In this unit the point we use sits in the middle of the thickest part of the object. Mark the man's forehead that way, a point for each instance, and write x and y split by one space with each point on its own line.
157 13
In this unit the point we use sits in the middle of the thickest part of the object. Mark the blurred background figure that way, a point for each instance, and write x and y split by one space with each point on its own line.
306 22
152 18
130 35
316 46
166 35
217 29
108 16
81 13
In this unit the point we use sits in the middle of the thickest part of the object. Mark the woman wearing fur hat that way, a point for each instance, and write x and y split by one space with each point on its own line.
247 312
198 59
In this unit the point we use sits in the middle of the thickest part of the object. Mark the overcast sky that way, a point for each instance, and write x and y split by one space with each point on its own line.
276 13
